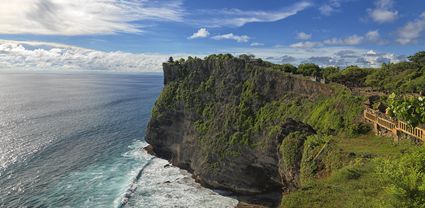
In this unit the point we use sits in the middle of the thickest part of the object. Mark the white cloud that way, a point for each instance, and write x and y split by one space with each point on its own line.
50 56
374 36
306 44
383 16
238 18
352 40
371 37
412 31
383 12
256 44
326 10
231 36
303 36
371 53
83 17
375 59
324 56
202 33
384 3
331 7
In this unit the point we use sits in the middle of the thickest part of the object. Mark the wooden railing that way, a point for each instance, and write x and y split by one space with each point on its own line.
415 132
393 126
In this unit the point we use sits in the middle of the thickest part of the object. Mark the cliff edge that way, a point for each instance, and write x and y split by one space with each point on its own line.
237 124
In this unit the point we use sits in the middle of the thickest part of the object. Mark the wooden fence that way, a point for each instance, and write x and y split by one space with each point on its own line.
393 126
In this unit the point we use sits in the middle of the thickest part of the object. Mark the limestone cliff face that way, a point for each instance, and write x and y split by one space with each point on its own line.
215 118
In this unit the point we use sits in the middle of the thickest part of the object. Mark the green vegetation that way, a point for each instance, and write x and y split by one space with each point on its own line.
418 58
329 71
308 69
364 175
400 77
351 76
364 171
405 177
289 150
408 109
252 114
321 157
329 115
242 103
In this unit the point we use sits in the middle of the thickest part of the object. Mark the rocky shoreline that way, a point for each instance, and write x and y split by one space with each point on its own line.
245 201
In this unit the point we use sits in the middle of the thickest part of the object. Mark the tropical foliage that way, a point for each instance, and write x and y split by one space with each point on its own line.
408 109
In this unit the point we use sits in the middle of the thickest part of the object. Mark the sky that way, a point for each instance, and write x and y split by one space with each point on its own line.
138 35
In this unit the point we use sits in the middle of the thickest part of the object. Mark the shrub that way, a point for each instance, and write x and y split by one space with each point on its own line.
309 69
406 176
352 76
409 109
418 58
289 68
329 72
329 160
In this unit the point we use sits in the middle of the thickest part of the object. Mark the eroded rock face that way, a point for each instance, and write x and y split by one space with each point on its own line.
218 151
255 171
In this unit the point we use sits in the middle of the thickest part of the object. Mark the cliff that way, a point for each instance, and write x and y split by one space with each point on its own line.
237 124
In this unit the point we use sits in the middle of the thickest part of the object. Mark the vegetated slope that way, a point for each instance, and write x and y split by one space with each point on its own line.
371 171
241 125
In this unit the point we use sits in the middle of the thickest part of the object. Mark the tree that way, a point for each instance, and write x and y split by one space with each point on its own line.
170 60
247 57
352 76
330 71
402 66
181 60
418 58
288 68
376 77
309 69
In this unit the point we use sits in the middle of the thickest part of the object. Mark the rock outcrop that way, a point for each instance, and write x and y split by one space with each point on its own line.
215 118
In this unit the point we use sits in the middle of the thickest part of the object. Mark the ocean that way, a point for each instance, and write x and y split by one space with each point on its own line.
75 139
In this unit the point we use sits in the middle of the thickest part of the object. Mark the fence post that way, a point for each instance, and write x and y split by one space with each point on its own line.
395 135
376 128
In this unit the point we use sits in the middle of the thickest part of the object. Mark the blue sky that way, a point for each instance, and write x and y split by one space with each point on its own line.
329 32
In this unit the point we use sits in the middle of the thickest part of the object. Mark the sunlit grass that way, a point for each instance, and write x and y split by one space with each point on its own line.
356 185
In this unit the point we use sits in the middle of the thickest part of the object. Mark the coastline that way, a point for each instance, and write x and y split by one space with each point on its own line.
271 199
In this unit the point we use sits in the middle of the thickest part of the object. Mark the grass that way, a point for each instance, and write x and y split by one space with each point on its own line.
378 146
354 185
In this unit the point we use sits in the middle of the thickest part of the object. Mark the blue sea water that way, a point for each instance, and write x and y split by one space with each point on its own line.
76 140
